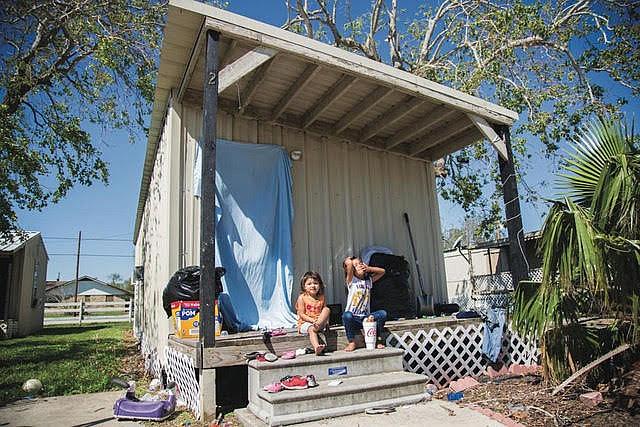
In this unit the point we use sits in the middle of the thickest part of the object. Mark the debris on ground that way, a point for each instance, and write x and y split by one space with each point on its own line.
525 400
132 365
583 371
592 398
492 373
32 386
463 384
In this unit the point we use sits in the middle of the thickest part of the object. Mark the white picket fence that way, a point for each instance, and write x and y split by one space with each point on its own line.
62 313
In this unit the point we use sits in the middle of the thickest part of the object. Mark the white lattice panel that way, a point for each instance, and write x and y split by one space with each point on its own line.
448 354
181 369
518 350
151 359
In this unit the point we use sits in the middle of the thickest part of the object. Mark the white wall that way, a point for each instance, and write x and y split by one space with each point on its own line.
157 244
482 262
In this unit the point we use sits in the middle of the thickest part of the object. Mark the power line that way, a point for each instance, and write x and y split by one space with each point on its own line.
100 255
98 239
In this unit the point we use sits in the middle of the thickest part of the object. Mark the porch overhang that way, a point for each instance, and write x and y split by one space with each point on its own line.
273 75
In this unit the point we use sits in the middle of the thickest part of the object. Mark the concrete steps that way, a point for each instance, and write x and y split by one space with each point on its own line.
373 378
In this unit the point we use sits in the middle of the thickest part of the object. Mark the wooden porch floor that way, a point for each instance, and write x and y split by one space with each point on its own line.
230 349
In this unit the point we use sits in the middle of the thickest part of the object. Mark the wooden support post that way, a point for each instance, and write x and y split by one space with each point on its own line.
208 193
207 222
517 262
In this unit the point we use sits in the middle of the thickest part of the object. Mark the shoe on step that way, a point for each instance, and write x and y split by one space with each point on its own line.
288 355
273 388
311 381
267 357
296 382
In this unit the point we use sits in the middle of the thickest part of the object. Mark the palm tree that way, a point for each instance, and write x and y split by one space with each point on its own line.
590 249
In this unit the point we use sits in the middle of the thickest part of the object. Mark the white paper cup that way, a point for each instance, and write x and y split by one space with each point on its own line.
369 329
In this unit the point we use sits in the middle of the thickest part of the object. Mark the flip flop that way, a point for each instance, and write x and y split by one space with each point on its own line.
288 355
277 332
252 354
380 410
267 357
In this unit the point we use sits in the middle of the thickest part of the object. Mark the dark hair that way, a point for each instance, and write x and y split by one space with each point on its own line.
344 266
312 275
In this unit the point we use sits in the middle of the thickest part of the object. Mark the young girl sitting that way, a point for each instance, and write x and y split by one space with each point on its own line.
313 314
359 279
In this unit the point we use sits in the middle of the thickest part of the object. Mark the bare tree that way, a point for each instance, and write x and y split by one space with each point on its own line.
544 60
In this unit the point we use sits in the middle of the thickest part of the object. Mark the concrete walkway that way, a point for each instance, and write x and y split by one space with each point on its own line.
87 410
82 410
433 413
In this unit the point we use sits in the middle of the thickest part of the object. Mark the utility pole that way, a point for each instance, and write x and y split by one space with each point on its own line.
75 297
517 262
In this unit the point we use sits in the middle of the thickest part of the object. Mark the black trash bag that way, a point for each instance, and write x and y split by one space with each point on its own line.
392 292
184 285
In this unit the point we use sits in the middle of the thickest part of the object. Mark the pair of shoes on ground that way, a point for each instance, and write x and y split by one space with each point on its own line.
292 382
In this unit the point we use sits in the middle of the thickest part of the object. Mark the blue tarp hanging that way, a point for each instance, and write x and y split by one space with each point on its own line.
254 213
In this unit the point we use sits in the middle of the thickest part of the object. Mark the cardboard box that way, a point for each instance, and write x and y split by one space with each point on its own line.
186 315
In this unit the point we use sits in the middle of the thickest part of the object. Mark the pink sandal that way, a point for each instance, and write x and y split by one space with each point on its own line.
273 388
288 355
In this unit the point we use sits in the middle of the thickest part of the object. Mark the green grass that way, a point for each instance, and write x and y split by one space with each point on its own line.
66 359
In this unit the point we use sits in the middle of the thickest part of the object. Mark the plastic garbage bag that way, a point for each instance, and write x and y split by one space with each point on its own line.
184 285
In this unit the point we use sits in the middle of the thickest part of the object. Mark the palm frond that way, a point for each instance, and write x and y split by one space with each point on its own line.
616 201
590 251
570 254
593 147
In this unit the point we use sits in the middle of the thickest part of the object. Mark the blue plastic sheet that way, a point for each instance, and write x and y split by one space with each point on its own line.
254 212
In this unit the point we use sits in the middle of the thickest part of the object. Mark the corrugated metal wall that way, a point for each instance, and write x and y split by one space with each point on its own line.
154 245
346 197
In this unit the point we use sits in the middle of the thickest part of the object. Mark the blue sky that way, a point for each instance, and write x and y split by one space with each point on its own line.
108 212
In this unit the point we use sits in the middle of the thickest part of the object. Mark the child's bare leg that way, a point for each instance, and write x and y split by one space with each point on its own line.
315 342
323 319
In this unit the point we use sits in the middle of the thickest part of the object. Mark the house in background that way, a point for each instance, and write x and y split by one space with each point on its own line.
90 289
482 271
23 268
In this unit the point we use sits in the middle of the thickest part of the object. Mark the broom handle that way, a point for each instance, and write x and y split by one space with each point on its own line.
415 255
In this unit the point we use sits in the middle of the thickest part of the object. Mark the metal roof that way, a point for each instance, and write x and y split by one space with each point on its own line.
15 242
306 84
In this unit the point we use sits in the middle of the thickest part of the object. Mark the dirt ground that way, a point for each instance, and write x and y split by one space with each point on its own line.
528 401
132 364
